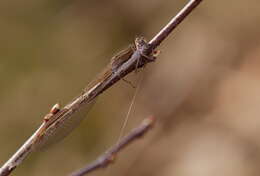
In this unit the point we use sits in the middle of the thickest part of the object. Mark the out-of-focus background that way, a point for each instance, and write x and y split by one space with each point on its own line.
204 89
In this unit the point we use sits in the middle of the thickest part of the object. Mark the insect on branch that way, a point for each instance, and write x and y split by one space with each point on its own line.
137 56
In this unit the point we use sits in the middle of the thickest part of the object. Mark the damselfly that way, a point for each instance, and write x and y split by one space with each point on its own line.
58 123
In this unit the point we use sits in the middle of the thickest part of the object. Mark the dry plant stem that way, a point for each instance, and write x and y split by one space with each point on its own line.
109 156
111 76
188 8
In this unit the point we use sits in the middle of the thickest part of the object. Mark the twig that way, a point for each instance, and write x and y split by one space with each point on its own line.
187 9
138 57
109 156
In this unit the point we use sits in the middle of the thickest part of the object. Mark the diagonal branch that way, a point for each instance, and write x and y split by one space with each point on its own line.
175 21
109 156
121 65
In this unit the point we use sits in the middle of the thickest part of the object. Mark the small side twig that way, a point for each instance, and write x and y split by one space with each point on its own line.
109 156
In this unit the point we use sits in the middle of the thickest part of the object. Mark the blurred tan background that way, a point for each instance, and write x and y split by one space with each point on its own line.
204 89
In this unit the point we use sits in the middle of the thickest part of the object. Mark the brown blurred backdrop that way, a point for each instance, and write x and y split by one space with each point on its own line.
203 89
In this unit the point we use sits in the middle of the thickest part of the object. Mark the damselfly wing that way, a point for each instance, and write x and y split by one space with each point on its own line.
61 128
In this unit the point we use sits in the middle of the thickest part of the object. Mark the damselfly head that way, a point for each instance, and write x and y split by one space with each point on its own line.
140 42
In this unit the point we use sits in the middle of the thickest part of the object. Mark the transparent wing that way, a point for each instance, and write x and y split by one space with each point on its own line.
64 128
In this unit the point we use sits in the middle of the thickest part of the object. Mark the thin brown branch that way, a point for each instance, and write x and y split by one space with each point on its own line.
109 156
175 21
119 67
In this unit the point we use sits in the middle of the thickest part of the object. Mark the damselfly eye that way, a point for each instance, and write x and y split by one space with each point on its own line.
139 42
